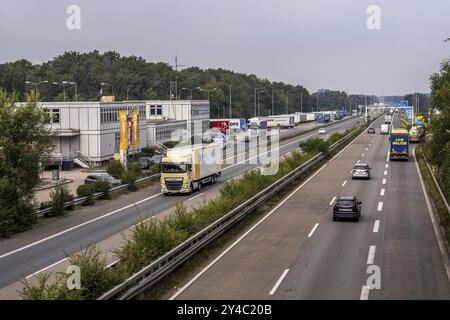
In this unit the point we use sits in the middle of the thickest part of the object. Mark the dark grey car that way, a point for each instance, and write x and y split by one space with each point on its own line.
347 207
92 178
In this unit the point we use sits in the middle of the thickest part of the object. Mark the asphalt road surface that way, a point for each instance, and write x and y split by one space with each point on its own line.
45 245
298 252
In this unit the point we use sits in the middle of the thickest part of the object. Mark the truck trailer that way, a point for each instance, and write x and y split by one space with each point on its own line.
187 168
399 148
282 121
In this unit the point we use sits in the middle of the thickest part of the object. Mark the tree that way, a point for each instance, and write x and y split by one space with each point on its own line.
439 146
24 140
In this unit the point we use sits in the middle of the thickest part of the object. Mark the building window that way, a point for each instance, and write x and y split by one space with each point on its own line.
156 110
53 115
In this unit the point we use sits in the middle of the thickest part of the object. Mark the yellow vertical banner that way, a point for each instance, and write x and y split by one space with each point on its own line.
123 115
135 129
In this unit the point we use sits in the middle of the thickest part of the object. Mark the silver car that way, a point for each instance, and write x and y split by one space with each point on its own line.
361 171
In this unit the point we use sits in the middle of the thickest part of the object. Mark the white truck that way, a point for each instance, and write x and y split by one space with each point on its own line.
282 121
387 118
188 168
384 129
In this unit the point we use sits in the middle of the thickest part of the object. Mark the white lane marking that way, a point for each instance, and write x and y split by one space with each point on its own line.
202 193
371 255
385 172
384 181
436 227
77 226
380 206
313 229
358 161
382 192
386 166
370 144
275 287
332 200
43 269
343 184
367 149
387 157
364 293
363 155
376 226
198 275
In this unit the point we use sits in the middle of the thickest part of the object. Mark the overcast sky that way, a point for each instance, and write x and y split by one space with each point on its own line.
315 43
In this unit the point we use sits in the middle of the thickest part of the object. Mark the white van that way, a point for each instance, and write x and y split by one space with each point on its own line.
384 129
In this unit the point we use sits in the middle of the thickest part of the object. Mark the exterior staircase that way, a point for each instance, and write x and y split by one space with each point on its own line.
83 160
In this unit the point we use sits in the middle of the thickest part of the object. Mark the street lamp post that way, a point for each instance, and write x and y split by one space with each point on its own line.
36 84
71 83
230 100
64 89
259 110
107 84
189 89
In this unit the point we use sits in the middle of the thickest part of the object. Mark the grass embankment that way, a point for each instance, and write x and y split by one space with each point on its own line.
438 203
154 237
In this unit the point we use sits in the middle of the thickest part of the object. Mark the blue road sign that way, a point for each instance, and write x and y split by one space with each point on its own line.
404 103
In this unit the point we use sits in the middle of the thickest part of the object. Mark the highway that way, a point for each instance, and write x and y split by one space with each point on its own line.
47 244
296 251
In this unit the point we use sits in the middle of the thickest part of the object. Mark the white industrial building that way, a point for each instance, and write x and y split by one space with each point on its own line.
88 132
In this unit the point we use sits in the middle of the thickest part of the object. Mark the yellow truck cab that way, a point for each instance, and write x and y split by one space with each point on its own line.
187 168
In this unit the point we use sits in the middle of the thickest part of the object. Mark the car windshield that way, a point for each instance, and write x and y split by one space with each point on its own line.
175 168
345 203
361 166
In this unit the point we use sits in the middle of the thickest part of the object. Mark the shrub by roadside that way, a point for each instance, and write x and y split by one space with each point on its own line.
86 190
58 196
116 169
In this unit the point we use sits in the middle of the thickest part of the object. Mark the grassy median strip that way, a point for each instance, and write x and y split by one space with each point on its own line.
155 237
438 203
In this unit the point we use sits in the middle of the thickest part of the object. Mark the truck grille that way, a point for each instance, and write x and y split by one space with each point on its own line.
173 185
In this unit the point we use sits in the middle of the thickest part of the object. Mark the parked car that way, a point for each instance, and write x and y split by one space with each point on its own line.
361 170
371 130
92 178
145 162
322 131
347 207
157 158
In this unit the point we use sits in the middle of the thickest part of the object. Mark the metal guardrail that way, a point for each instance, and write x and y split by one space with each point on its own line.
159 268
437 184
78 201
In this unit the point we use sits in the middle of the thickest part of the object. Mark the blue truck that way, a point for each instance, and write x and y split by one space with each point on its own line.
319 117
399 148
326 118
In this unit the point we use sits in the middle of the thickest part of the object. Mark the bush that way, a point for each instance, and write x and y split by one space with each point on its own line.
170 144
116 169
135 168
86 190
56 290
149 240
58 197
315 145
148 152
129 177
154 169
103 186
95 278
335 137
